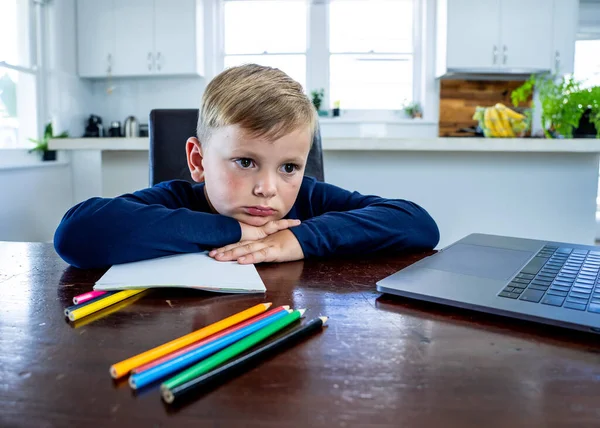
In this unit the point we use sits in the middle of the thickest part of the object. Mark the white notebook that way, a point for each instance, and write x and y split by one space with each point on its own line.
194 270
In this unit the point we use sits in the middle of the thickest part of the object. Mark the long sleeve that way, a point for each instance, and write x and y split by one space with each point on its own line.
336 221
168 218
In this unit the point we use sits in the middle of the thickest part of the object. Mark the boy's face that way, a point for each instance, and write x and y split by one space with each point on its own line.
252 179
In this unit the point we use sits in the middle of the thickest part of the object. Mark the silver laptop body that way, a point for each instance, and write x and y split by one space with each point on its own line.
543 281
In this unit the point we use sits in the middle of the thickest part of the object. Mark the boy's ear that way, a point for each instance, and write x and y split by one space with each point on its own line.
193 151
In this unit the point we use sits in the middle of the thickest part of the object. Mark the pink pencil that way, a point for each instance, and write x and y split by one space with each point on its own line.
77 300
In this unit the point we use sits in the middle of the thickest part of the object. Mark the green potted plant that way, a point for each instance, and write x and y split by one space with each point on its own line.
563 103
413 110
42 145
317 96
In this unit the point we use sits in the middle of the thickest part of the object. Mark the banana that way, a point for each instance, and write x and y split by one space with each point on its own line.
510 113
506 124
495 120
489 126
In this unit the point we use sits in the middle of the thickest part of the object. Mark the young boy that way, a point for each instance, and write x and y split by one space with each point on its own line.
252 203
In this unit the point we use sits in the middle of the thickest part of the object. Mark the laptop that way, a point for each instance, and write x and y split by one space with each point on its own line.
548 282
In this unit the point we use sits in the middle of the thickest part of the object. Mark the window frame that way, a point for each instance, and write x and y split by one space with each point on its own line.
37 51
318 57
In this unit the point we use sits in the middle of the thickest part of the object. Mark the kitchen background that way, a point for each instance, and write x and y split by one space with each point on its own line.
404 72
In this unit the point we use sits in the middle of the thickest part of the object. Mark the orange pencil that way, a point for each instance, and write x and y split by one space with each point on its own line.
123 368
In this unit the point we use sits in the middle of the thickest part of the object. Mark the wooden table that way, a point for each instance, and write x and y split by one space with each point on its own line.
383 361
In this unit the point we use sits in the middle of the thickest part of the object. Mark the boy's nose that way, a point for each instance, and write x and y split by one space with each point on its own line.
266 186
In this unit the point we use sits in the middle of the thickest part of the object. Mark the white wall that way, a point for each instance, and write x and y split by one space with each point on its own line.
33 200
137 96
69 97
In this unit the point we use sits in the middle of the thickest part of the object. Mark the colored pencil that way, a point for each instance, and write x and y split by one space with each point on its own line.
90 307
122 368
82 298
71 308
209 339
228 353
244 361
107 311
182 361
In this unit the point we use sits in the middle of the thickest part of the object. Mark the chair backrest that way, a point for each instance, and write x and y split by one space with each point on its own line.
170 128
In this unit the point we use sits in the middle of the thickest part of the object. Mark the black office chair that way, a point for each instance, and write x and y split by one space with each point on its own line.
169 130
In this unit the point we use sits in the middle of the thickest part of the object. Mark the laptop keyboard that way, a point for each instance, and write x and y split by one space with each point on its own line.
559 276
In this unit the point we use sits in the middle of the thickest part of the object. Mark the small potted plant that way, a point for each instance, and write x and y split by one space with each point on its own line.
413 110
317 99
42 145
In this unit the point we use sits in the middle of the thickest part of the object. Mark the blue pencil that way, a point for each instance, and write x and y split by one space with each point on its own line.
139 380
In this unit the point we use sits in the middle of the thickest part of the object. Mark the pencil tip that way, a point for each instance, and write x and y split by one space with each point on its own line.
302 312
267 305
286 307
168 396
324 319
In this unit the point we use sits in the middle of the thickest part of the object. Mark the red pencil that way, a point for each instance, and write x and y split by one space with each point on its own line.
207 340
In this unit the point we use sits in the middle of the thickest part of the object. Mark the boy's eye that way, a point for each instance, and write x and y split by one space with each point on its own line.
245 162
289 168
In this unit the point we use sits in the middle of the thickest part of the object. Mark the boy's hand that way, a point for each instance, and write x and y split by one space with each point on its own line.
281 246
254 233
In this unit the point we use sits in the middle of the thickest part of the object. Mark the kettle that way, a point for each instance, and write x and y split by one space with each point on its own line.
131 127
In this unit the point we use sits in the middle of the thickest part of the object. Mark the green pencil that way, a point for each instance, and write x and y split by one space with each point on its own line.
231 351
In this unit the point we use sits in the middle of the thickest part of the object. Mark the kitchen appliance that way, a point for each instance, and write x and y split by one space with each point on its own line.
131 127
115 129
94 127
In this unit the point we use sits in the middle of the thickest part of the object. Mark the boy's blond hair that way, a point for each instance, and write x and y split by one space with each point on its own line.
264 101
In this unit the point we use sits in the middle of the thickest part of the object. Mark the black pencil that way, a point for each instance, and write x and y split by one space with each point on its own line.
176 393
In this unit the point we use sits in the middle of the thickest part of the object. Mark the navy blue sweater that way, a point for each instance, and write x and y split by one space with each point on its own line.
175 217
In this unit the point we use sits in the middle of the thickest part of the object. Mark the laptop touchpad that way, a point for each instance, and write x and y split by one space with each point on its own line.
477 260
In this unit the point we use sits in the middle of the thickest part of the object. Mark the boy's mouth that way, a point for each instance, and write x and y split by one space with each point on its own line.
259 211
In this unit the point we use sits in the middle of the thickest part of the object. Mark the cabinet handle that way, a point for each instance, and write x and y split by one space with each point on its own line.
504 54
149 61
158 61
557 61
495 53
109 63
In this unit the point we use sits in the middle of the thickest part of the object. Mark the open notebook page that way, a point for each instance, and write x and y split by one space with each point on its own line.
194 270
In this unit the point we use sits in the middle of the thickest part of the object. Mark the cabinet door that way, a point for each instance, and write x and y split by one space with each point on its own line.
134 23
95 37
526 32
566 16
177 36
473 34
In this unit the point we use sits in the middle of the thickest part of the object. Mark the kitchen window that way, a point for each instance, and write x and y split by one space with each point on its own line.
362 52
18 74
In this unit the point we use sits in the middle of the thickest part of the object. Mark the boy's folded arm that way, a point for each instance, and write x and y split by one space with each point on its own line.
150 223
346 223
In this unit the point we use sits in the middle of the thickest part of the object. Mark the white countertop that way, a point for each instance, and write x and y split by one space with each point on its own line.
376 144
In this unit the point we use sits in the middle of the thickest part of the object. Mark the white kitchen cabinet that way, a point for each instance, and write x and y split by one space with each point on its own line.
96 37
526 35
187 19
565 21
127 38
473 33
134 33
494 36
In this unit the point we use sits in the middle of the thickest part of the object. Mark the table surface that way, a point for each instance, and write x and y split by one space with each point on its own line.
383 360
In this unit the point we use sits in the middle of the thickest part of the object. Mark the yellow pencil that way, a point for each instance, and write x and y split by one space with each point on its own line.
122 368
102 303
107 311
